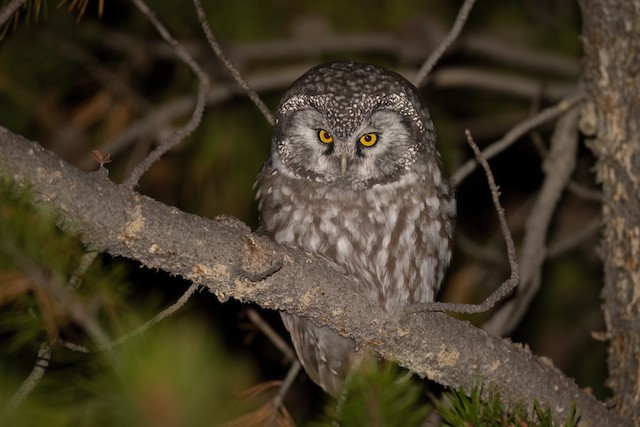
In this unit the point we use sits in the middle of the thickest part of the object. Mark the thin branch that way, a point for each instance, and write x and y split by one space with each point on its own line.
410 52
559 167
157 318
461 19
229 65
503 50
508 285
501 82
38 371
273 336
101 73
160 116
475 250
589 231
179 135
516 132
73 346
293 372
290 355
141 329
7 12
573 186
584 192
86 261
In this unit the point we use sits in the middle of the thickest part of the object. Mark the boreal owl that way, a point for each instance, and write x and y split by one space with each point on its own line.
354 176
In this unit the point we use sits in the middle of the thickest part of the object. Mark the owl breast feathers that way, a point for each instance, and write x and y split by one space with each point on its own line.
354 176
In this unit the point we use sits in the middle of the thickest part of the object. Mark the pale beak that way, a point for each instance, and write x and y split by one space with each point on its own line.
343 164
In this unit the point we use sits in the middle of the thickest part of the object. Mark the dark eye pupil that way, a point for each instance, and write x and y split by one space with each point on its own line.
367 138
324 135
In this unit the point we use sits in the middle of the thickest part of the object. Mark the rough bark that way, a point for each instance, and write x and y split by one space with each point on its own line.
611 77
223 255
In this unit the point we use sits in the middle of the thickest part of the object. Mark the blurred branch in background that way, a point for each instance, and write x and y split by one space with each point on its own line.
159 119
179 135
516 132
7 11
251 93
559 167
434 57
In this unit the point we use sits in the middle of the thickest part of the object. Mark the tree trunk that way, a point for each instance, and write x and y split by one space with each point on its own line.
611 120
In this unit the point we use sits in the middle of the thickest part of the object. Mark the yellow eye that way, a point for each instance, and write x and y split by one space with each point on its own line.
368 139
325 136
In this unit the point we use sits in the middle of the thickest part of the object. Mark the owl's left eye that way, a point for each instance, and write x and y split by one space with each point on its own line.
368 139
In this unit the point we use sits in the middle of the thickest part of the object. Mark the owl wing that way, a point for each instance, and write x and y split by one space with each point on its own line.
435 230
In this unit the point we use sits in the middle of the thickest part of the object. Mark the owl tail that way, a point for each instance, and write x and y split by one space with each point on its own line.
325 355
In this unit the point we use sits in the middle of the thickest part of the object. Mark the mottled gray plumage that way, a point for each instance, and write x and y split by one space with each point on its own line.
383 213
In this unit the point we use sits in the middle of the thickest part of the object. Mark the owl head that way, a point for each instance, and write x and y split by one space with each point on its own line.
353 125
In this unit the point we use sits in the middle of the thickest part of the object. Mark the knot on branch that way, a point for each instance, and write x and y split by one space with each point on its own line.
258 261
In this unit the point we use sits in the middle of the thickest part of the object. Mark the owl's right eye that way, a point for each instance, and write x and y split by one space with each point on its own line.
325 137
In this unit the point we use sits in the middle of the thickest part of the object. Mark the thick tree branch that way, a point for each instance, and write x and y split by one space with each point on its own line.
222 254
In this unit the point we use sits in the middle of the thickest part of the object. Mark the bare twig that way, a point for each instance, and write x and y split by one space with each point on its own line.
508 285
560 164
73 346
229 65
273 336
177 136
515 133
162 115
8 11
157 318
293 372
86 261
290 355
425 69
38 371
151 322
